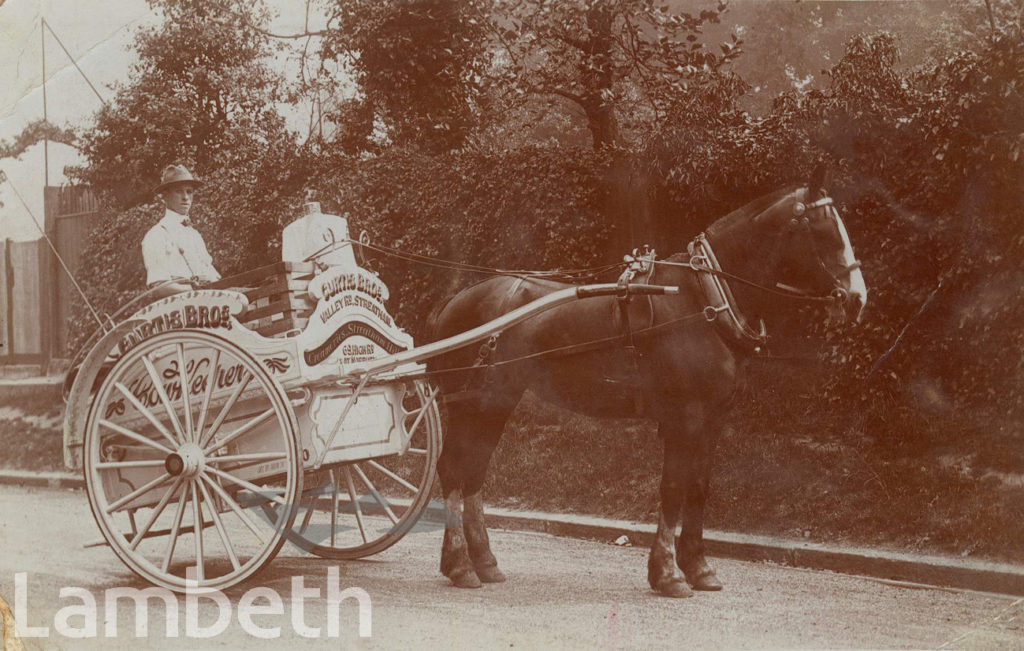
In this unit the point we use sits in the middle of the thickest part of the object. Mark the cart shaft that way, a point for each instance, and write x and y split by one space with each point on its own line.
518 315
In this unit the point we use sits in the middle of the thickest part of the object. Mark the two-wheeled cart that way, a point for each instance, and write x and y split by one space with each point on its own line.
282 404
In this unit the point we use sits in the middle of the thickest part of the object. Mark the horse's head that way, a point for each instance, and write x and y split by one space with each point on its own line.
814 255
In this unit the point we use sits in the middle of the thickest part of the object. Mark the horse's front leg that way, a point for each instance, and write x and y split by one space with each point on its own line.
662 573
690 544
484 562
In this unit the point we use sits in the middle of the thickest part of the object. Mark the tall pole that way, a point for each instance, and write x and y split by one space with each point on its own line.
46 140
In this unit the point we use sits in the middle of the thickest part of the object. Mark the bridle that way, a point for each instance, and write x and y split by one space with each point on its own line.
801 221
714 280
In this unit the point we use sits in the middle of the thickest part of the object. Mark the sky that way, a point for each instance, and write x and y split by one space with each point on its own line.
98 34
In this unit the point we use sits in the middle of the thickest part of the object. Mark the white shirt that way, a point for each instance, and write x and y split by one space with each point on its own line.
172 250
316 232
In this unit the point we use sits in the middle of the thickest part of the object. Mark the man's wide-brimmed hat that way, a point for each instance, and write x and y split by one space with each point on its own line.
175 175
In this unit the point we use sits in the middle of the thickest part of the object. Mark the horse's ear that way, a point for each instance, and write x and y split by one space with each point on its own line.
818 185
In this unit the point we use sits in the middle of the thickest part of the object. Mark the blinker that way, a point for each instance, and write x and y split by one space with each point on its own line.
799 208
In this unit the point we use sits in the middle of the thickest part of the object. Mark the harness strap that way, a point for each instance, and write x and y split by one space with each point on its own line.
484 361
638 262
721 301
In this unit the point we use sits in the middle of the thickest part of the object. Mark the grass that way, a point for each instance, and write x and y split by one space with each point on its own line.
30 434
769 480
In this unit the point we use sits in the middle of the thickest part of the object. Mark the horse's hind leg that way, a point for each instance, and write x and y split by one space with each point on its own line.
455 562
470 440
486 429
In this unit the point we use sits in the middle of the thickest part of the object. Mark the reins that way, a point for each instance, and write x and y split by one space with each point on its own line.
786 291
441 263
780 290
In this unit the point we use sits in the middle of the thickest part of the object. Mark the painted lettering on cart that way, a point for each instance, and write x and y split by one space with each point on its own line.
350 299
353 282
350 329
189 316
196 370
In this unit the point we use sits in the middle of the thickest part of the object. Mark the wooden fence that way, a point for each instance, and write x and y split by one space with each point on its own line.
23 315
35 292
71 212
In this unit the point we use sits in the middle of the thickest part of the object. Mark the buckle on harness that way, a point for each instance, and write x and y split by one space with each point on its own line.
711 312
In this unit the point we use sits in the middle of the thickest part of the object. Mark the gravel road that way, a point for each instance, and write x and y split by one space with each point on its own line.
561 593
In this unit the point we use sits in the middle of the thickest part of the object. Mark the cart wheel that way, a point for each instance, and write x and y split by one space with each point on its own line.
176 486
357 509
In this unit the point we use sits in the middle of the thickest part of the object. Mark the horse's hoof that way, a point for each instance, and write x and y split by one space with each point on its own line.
707 581
465 579
675 588
490 574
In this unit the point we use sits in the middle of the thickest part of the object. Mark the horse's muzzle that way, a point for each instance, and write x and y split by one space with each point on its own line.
848 304
854 305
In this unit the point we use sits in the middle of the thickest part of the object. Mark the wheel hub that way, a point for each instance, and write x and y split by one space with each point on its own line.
187 461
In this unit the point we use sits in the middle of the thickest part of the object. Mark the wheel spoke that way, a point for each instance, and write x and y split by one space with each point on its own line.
306 518
352 496
253 422
197 529
219 525
139 463
157 510
245 484
147 413
224 411
252 456
138 491
376 495
211 379
174 531
186 405
158 384
233 505
334 506
135 436
418 451
392 475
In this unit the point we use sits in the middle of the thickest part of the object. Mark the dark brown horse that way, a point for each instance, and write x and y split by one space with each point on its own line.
750 265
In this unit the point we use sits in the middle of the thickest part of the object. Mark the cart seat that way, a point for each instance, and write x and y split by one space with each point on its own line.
279 301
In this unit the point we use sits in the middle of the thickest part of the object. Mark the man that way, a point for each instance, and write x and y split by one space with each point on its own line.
174 253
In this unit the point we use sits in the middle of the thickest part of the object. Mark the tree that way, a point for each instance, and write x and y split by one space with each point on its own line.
418 65
200 93
622 63
34 132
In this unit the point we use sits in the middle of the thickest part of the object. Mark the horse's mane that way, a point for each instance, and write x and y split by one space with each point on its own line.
752 208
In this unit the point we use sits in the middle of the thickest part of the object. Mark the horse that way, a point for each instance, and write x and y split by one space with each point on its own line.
671 358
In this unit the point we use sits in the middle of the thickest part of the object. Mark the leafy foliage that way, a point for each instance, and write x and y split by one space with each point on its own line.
623 63
417 65
531 208
34 132
202 94
543 135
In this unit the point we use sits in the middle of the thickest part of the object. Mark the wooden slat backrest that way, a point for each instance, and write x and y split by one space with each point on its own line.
278 301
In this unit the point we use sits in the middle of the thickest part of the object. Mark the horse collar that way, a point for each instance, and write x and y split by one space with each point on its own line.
721 303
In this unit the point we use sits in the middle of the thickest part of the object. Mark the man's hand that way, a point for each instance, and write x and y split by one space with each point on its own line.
168 288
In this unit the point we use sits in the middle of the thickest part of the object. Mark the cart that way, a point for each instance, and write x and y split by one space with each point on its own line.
278 405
